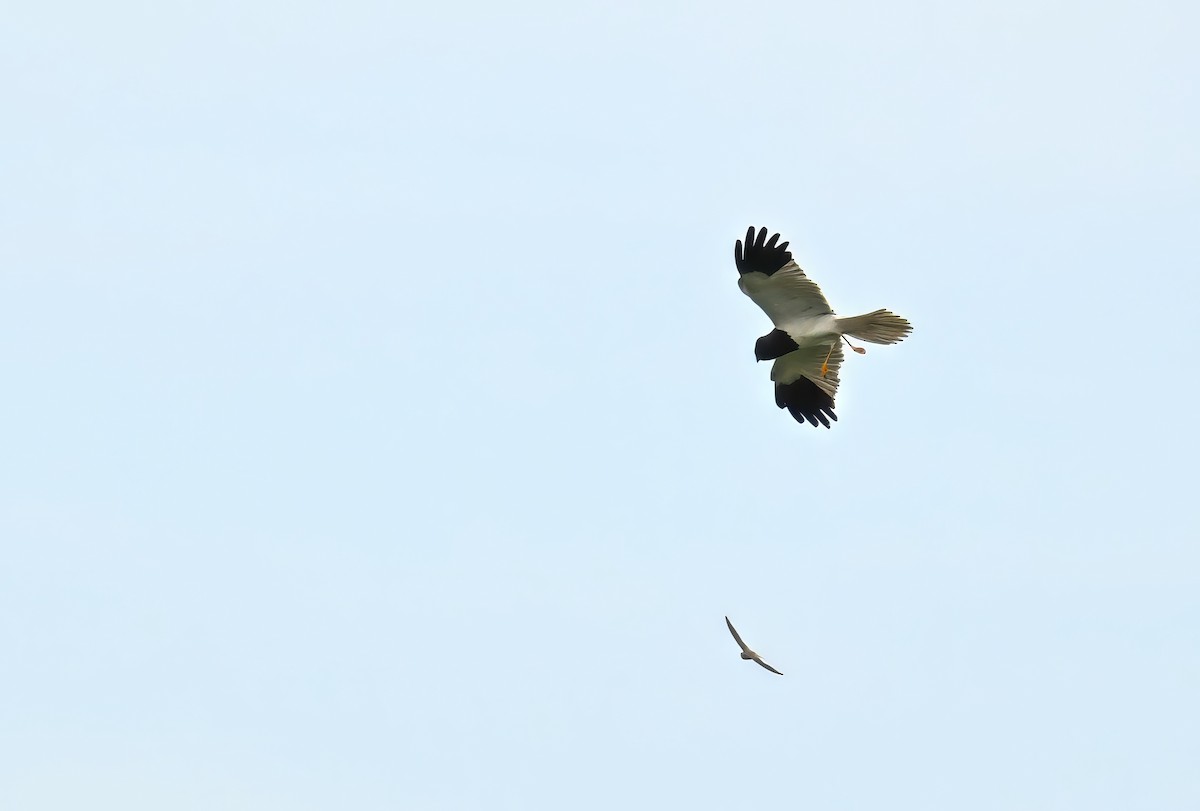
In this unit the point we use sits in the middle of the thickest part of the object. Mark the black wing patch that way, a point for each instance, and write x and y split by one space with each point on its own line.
760 255
805 402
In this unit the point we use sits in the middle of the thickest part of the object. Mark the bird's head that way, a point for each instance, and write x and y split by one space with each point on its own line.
775 344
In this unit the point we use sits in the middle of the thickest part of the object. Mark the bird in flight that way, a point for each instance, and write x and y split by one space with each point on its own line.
746 652
806 343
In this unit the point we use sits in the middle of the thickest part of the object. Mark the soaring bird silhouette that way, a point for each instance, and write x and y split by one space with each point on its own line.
746 652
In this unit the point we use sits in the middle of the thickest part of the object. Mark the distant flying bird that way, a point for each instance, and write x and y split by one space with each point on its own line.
806 343
746 652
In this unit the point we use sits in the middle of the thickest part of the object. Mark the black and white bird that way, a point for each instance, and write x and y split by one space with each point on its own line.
806 343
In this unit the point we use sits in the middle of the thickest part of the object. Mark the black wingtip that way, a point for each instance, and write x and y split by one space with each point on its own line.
805 402
758 255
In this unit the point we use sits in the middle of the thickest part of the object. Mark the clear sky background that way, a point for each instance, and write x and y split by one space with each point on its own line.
381 428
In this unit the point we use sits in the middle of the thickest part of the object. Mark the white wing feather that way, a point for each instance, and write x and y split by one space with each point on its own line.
786 296
806 362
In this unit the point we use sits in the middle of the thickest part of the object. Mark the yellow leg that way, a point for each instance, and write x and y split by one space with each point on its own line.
825 363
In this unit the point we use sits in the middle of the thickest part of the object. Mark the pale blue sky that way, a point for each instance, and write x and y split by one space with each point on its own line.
382 430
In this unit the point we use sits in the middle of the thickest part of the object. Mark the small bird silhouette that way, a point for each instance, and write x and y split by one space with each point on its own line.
746 652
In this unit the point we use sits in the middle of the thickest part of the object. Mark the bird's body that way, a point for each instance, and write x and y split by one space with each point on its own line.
806 343
746 652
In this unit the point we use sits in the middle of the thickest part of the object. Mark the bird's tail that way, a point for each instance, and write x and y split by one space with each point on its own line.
879 327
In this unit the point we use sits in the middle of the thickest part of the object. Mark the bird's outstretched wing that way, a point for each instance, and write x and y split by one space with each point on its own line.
733 631
802 389
767 666
818 363
774 282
